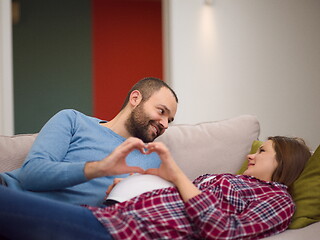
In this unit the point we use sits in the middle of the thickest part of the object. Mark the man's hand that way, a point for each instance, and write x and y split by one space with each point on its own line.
115 182
115 163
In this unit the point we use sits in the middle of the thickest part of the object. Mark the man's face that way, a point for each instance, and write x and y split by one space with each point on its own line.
150 119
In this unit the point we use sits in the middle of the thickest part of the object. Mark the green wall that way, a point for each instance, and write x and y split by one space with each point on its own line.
52 61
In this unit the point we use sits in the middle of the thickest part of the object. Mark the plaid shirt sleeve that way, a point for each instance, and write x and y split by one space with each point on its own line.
257 220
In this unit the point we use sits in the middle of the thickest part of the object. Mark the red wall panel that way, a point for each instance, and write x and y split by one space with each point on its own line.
127 46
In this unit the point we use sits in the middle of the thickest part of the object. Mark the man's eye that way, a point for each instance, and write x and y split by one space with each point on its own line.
161 111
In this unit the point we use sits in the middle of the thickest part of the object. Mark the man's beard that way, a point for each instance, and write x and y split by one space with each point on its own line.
138 125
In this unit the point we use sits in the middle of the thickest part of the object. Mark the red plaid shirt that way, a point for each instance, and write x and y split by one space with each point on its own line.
229 207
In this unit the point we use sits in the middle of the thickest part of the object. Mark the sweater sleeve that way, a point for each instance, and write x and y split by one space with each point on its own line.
44 168
258 219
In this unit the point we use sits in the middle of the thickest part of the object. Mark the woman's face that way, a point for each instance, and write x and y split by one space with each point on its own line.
263 163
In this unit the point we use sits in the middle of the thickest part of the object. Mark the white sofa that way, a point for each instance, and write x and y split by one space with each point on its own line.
209 147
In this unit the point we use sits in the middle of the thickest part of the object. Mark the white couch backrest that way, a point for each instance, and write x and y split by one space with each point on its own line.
212 147
14 150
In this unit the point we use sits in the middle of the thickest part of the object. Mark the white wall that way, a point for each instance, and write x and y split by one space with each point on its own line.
6 82
259 57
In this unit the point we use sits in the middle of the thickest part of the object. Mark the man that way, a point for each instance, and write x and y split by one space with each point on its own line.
72 153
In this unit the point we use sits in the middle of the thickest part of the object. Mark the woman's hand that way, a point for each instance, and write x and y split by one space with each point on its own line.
170 171
115 163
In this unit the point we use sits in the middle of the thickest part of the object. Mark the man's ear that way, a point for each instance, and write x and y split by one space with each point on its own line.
135 98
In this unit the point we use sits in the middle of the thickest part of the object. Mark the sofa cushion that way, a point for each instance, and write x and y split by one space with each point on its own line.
305 190
14 150
306 193
211 147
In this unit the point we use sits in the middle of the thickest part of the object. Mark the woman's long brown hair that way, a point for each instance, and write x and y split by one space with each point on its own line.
292 155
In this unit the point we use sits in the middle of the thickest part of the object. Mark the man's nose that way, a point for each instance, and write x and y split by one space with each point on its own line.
164 123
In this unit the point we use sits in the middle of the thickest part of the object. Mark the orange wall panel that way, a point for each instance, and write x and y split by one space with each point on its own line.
127 46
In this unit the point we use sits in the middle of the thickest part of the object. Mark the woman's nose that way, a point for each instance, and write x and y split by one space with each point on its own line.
250 156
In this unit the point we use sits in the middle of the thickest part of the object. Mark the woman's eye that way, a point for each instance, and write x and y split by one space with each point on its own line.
261 150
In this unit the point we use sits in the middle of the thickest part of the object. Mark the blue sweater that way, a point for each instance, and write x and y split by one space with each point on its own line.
54 166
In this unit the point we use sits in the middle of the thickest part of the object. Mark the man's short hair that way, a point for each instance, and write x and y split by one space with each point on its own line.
148 86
